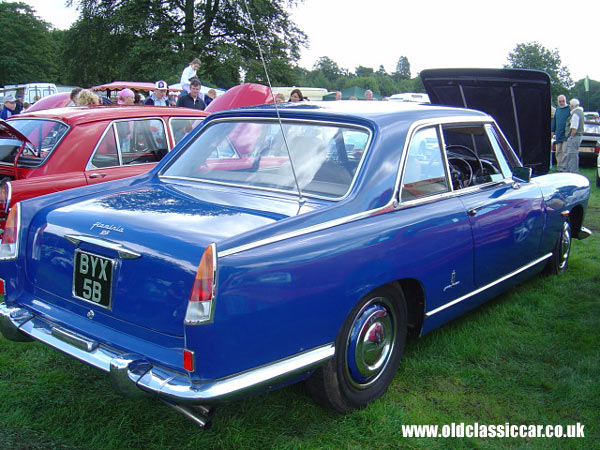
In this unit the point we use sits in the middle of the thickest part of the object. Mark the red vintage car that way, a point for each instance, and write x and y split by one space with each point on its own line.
52 150
55 149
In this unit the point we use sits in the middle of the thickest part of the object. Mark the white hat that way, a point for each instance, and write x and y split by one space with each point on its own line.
9 98
160 85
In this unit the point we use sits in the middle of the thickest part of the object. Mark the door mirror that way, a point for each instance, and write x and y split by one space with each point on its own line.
522 174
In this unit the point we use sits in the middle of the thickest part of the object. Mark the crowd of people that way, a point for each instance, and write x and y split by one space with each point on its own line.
567 120
190 96
567 130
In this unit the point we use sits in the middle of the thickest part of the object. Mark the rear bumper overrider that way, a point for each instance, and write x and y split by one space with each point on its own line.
133 374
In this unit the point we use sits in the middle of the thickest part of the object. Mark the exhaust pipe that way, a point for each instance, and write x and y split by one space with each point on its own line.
198 414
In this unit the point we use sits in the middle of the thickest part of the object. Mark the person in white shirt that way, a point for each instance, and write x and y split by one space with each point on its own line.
188 73
574 131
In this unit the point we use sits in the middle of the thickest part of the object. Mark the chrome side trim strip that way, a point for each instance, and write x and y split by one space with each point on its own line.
300 232
487 286
124 253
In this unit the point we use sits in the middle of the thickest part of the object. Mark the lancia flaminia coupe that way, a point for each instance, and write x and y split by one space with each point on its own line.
210 278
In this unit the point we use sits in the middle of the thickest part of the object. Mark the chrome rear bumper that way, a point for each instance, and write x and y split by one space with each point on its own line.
131 374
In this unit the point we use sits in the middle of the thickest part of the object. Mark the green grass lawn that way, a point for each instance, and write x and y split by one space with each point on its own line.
530 356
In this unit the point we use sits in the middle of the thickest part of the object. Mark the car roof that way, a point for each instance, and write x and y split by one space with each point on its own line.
84 114
375 111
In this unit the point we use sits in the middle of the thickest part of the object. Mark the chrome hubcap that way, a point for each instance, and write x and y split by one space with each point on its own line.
370 343
565 246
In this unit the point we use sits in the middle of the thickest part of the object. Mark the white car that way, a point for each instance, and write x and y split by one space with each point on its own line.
598 171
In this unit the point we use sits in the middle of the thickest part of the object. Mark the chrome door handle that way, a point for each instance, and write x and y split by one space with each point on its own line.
473 211
97 175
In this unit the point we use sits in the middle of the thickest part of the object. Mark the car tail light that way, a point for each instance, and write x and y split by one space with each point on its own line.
597 149
188 360
10 236
200 305
4 199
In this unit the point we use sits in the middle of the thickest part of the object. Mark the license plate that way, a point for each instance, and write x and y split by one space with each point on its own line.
92 278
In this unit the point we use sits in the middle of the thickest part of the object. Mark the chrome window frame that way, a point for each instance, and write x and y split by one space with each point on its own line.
51 152
90 166
440 122
393 204
292 191
405 151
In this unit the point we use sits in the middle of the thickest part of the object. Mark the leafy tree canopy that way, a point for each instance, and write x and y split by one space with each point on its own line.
533 55
151 39
28 51
402 69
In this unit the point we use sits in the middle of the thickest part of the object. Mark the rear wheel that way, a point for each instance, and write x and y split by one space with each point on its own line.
560 256
597 177
368 350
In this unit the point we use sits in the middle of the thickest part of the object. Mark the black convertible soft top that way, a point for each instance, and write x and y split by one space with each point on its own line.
518 99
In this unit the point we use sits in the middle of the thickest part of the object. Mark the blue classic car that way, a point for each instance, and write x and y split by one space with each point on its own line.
287 242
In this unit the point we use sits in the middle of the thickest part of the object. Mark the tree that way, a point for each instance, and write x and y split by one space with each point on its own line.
28 50
362 71
402 69
160 33
590 100
532 55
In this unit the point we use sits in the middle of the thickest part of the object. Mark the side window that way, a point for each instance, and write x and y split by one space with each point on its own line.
106 154
141 141
471 156
424 172
182 126
506 155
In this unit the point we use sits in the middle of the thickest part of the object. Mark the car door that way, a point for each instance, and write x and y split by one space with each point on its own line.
506 217
127 148
435 238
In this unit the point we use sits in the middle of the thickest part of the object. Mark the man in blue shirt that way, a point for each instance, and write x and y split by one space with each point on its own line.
559 121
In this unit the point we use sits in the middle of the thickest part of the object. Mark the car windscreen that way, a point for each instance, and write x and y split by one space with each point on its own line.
43 134
253 153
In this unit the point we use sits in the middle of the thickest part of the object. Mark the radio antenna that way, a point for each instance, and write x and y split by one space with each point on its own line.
262 58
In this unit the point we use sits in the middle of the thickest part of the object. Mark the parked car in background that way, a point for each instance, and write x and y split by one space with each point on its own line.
59 100
56 149
591 116
589 149
205 280
598 171
410 97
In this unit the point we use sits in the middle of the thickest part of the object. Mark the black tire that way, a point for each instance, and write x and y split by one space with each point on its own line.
368 349
597 178
559 260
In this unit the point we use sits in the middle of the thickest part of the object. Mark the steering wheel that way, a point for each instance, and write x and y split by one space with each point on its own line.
461 172
472 153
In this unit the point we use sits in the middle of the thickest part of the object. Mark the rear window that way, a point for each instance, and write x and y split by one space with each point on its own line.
43 134
246 153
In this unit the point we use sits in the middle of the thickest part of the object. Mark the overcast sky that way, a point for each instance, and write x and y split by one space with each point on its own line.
430 33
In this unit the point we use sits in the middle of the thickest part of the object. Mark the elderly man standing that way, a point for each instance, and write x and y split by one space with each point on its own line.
159 96
574 132
559 122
